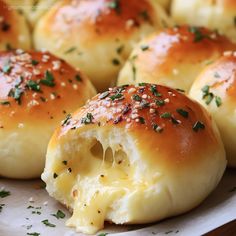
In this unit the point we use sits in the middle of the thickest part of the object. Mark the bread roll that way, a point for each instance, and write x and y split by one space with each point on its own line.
215 89
14 32
133 154
37 90
32 9
97 35
173 57
216 15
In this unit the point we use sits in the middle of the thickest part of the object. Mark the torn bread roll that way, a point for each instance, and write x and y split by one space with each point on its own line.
215 89
14 31
213 14
131 155
173 57
97 35
37 90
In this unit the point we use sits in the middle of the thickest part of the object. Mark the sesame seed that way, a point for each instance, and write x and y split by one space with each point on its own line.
20 125
227 53
136 120
19 51
52 96
33 103
36 72
167 100
56 65
134 116
128 120
45 203
144 96
129 23
131 90
75 86
31 199
175 72
63 84
152 111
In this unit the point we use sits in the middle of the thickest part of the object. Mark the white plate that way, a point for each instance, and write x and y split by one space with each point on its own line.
15 219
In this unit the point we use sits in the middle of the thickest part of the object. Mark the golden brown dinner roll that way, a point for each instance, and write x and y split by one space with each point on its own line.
32 9
36 91
14 32
215 88
214 14
97 35
133 154
173 57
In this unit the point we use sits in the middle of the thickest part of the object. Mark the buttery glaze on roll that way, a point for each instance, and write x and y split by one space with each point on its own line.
36 91
216 15
32 9
174 56
215 89
97 35
131 155
14 31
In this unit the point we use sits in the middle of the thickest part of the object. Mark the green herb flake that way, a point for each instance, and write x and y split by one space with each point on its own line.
33 85
160 103
64 163
136 97
4 194
218 101
5 103
208 98
115 62
78 78
120 49
114 5
198 126
48 80
165 115
59 214
133 67
47 223
198 35
88 119
70 50
34 234
142 84
157 128
206 89
154 91
182 112
144 47
104 95
6 68
141 120
34 62
1 207
144 14
67 120
116 96
55 175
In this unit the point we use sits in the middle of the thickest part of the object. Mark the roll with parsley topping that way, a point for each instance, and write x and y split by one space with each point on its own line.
133 154
37 90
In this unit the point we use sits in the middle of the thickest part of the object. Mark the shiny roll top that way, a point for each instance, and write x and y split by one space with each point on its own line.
133 154
97 35
215 89
36 91
174 56
14 31
216 15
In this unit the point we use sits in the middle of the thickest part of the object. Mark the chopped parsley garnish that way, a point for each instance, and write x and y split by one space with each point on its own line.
64 163
4 193
165 115
104 95
154 91
136 97
102 234
160 103
133 67
47 223
182 112
48 80
142 84
59 214
198 35
34 62
218 101
174 121
33 85
144 47
34 234
1 207
141 120
120 49
115 62
78 78
180 90
55 175
16 93
115 5
4 103
198 125
67 120
144 104
88 119
70 50
7 68
116 96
